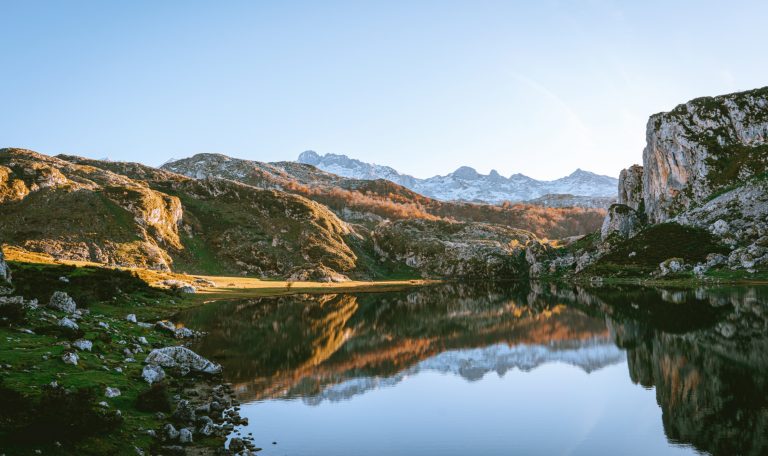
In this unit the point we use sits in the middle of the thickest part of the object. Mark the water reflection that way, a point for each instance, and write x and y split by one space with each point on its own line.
703 351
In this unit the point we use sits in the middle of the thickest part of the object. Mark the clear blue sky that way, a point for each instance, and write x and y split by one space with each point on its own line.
425 86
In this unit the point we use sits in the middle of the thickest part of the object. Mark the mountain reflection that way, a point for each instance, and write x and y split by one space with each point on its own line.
704 351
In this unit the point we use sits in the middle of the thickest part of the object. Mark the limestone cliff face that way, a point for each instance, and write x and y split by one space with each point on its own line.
702 147
622 220
631 187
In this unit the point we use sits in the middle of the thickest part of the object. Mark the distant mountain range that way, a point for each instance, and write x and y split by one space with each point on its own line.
466 184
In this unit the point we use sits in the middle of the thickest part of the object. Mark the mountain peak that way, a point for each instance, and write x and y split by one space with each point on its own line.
309 157
466 173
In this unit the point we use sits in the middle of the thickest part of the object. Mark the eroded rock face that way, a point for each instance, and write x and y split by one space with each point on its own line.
701 147
452 249
622 220
5 275
631 187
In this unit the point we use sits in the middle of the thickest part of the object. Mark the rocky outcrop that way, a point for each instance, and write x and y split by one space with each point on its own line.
61 301
5 275
183 359
702 147
84 213
631 187
453 249
621 220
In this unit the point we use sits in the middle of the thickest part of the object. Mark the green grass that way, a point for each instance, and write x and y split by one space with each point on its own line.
654 245
96 289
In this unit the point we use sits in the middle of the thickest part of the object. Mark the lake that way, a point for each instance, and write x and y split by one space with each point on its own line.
498 369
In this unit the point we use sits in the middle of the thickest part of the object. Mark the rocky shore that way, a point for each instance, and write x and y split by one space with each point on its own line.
101 381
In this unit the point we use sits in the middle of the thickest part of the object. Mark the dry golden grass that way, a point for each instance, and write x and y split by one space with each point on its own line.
226 287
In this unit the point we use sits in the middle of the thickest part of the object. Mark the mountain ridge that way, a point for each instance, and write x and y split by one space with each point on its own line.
465 183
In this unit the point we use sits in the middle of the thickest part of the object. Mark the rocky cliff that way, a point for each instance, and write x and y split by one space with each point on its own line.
701 147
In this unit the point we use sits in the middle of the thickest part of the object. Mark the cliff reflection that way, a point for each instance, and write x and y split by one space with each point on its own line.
300 345
705 351
711 383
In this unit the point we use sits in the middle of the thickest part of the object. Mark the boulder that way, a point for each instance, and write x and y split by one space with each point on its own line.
206 426
70 358
183 359
69 324
170 432
165 326
185 435
112 392
61 301
185 412
621 220
152 374
672 266
131 318
83 345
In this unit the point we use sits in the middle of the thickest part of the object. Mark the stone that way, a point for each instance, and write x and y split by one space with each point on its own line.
152 374
112 392
131 318
70 358
166 326
188 289
61 301
183 359
64 279
83 345
185 435
621 220
206 426
170 432
236 445
184 412
672 266
726 329
184 333
719 228
69 324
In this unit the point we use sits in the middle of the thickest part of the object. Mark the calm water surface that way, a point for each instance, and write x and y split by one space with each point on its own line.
498 369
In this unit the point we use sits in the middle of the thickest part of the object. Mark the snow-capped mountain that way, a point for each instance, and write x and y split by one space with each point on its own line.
466 184
473 364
